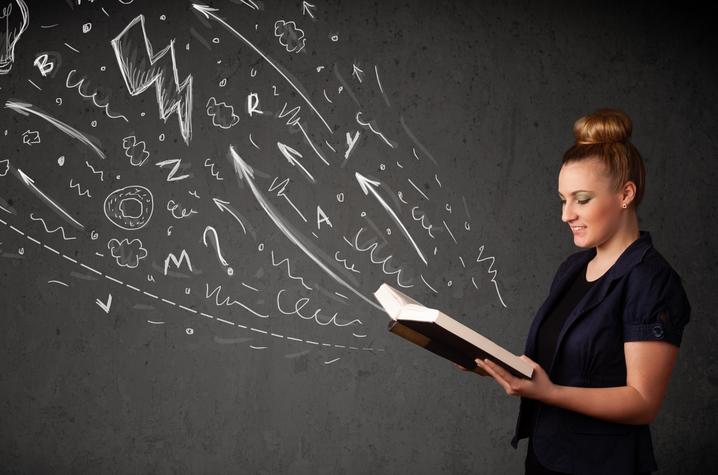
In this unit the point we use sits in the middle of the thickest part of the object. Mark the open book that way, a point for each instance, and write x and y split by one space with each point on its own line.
441 334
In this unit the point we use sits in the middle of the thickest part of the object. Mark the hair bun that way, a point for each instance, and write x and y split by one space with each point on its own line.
603 126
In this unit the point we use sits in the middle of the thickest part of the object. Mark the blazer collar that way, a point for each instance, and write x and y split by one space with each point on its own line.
631 256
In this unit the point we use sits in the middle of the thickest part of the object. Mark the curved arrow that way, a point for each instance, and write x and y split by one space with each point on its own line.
369 186
246 173
208 12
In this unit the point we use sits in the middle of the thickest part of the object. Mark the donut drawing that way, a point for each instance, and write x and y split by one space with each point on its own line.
129 208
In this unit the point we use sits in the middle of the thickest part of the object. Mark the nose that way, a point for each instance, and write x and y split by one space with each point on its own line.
567 214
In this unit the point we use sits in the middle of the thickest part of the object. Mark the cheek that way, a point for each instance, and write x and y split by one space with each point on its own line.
600 213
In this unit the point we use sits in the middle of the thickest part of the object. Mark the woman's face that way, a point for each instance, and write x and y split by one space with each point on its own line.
588 205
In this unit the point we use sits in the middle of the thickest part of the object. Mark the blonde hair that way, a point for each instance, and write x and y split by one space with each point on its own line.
604 135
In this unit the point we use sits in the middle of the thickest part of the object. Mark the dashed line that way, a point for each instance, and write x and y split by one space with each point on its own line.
114 280
50 249
188 309
91 269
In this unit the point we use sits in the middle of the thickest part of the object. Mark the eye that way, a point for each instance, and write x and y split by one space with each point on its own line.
583 202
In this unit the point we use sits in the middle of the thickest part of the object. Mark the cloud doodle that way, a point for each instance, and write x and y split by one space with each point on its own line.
127 253
291 37
222 114
135 151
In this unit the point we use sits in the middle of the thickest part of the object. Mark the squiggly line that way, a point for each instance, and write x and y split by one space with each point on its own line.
344 261
60 228
227 301
79 190
212 171
301 303
371 248
371 127
175 305
289 272
489 271
421 218
104 106
101 173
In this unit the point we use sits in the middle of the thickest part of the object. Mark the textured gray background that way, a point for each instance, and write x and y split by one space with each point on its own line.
491 89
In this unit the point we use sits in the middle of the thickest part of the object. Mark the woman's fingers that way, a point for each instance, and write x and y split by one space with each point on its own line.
476 370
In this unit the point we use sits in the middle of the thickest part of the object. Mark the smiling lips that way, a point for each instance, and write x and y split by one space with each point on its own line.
576 229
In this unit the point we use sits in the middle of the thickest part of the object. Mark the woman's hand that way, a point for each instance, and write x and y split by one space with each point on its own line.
538 387
478 370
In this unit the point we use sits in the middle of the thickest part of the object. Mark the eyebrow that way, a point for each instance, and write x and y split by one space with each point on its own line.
576 192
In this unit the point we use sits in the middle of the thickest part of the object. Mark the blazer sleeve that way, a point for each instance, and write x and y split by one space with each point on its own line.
657 307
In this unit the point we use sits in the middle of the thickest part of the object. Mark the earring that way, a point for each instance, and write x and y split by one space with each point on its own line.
624 205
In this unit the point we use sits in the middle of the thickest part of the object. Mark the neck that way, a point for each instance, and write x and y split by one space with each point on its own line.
610 250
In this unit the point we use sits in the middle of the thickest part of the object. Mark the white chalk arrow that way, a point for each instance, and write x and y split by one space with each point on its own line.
291 155
105 306
208 12
358 73
245 173
307 9
224 207
30 183
369 186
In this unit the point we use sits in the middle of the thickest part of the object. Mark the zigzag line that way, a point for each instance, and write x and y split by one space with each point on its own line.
101 173
212 171
289 273
79 191
62 230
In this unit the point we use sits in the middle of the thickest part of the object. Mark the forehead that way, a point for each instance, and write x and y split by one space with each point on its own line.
582 175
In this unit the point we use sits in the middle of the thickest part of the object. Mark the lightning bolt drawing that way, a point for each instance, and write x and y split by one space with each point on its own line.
142 68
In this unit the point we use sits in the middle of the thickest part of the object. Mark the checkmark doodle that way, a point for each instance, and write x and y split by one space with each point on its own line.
105 306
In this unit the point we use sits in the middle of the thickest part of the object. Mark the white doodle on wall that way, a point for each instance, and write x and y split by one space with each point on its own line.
289 35
4 167
215 243
208 12
93 97
26 108
31 137
44 64
246 173
178 211
79 190
127 253
118 203
177 261
142 68
47 230
292 155
30 184
135 151
172 175
369 186
15 22
222 114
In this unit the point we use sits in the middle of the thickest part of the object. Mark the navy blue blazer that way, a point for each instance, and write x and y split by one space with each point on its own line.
639 298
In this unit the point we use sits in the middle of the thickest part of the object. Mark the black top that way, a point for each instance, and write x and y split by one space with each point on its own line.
550 328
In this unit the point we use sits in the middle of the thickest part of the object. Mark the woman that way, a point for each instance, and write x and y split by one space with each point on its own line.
605 341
